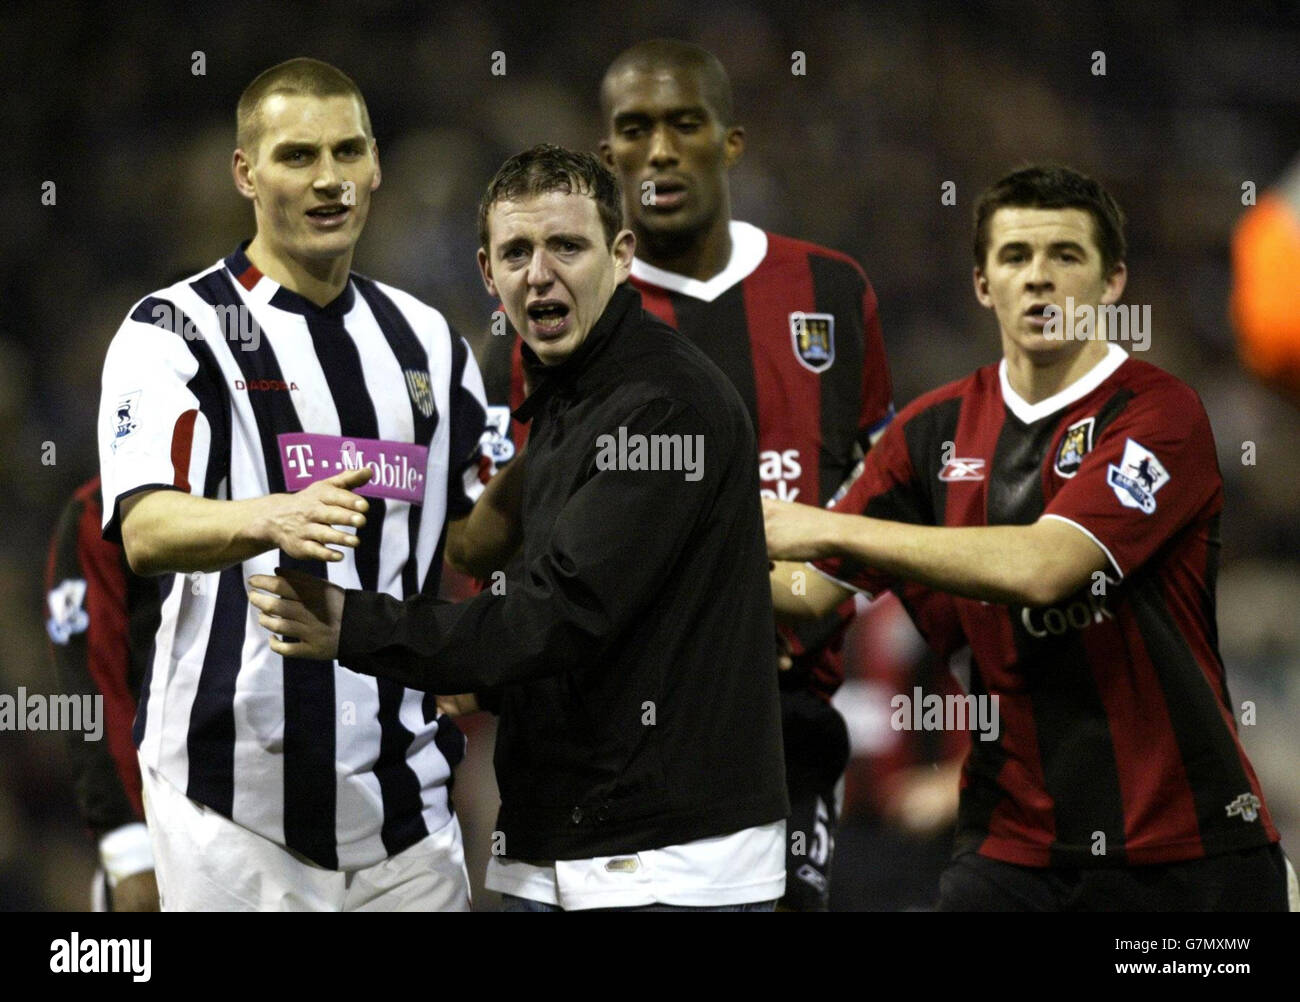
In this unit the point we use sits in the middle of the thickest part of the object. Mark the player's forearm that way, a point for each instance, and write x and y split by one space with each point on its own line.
485 539
168 532
800 594
1008 564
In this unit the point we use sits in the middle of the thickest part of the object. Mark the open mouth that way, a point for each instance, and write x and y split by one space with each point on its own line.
549 317
1037 314
328 214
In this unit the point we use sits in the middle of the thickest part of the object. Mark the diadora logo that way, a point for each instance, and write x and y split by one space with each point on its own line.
257 385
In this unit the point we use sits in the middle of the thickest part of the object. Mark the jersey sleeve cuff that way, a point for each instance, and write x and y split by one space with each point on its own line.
126 851
113 527
1119 571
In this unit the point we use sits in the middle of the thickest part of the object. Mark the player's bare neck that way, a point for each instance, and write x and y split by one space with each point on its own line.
318 281
700 254
1037 378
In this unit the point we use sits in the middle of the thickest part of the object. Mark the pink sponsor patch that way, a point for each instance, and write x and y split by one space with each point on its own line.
399 466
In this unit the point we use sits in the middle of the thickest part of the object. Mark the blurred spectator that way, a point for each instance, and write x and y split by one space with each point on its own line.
1266 286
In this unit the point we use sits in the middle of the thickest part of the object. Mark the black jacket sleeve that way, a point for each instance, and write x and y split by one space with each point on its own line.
618 537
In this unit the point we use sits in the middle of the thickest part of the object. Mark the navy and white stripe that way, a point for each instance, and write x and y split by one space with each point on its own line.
342 768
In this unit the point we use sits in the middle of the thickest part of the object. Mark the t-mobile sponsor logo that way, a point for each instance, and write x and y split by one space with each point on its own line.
399 466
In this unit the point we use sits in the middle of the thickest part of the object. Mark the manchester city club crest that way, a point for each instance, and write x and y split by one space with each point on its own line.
417 384
1075 444
813 336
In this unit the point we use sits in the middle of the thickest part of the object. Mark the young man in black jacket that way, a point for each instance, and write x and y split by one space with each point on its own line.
639 751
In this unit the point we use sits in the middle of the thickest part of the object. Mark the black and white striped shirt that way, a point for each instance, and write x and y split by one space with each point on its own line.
227 385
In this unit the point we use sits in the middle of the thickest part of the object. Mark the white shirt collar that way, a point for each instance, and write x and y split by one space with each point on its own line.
1080 388
748 248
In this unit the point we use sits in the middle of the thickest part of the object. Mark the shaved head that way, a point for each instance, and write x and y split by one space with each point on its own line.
674 57
297 76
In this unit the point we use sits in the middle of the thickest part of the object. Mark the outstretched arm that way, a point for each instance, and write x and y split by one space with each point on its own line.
1037 564
582 591
800 593
165 530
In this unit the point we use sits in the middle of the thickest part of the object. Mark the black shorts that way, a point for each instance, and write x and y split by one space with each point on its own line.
816 752
1249 880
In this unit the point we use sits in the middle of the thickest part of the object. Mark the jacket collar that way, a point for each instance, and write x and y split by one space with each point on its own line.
548 380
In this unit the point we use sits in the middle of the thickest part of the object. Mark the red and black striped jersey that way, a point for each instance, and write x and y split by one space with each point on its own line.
1116 727
794 326
101 620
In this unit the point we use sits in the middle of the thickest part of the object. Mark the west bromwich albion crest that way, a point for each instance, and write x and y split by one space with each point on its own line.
813 337
1075 444
417 384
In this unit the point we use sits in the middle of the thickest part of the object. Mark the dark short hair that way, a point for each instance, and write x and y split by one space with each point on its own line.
677 57
546 168
296 76
1047 186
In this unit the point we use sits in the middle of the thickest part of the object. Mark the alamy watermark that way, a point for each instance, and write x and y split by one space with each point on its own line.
951 712
62 712
91 955
635 451
235 322
1111 322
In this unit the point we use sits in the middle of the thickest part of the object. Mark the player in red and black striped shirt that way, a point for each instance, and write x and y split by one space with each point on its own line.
1071 496
792 324
101 619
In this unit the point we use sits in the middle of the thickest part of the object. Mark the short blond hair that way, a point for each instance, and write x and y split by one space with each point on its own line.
297 76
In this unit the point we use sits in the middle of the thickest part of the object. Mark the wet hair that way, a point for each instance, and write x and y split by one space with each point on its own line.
546 168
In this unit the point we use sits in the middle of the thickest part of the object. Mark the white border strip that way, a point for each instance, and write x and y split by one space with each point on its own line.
748 248
1109 556
1080 388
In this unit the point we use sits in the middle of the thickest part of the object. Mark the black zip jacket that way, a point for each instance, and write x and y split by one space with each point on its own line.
634 656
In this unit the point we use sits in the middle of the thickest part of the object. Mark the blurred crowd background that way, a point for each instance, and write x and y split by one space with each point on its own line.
897 99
